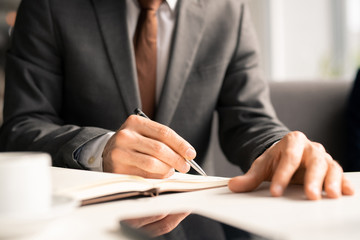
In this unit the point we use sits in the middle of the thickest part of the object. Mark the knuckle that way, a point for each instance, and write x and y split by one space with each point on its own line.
296 135
132 119
183 146
159 148
318 146
164 132
329 158
150 164
336 165
123 134
313 149
320 159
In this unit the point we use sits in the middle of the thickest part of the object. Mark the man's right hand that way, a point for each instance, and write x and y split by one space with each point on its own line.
146 148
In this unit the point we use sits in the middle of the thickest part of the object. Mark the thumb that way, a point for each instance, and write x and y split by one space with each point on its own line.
249 181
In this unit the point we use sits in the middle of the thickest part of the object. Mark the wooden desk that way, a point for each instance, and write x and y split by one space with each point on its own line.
288 217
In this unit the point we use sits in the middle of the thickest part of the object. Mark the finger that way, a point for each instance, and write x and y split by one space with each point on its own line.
135 163
333 180
165 225
347 187
11 18
163 134
126 142
252 179
287 167
145 174
140 222
162 152
316 169
288 163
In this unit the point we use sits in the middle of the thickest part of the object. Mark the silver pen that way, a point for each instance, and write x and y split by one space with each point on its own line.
192 163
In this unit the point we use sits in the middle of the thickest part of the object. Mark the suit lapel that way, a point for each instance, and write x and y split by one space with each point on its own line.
187 35
111 16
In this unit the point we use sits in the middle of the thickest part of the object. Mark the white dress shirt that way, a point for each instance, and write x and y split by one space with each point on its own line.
90 155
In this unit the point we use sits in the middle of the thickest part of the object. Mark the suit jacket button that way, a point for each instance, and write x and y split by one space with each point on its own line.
91 160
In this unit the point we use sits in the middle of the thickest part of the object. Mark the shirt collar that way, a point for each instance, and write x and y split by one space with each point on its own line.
172 4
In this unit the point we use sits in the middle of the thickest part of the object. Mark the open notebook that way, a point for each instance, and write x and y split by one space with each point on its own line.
95 187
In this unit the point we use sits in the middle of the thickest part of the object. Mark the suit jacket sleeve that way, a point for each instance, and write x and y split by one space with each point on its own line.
34 88
248 123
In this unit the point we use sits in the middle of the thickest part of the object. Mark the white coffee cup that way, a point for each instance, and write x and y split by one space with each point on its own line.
25 184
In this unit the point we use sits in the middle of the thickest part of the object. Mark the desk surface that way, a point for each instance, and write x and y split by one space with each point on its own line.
287 217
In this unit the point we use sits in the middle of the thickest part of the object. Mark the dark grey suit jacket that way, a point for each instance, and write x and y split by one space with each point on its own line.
71 78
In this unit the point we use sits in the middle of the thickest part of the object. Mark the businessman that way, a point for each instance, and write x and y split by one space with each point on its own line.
77 70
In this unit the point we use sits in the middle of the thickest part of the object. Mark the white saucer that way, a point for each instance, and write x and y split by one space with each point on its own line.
12 227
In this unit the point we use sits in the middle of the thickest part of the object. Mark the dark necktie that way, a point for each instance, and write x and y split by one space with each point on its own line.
145 53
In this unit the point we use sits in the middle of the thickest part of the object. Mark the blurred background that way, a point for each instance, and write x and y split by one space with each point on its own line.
307 39
300 39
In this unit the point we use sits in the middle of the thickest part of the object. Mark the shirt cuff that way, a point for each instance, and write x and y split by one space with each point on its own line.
90 155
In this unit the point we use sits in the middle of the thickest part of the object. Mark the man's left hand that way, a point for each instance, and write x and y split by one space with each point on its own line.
295 159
